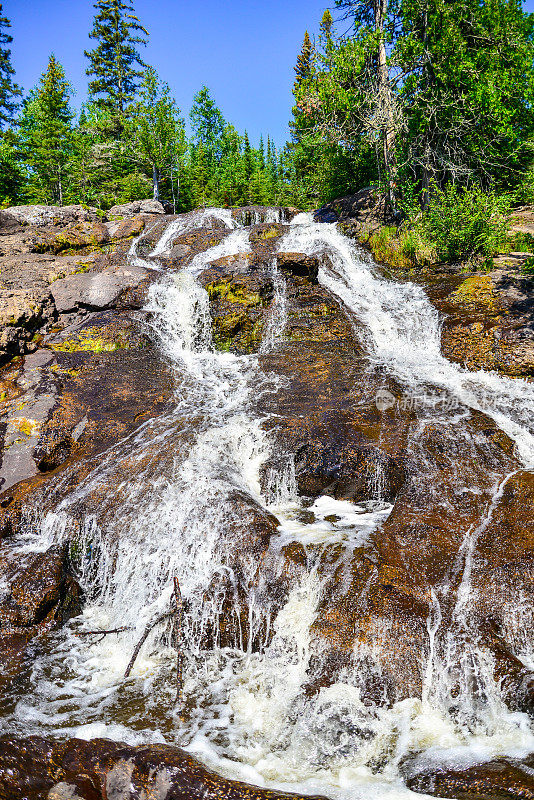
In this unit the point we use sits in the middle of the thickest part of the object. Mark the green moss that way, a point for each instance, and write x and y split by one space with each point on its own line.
233 293
268 233
90 340
476 290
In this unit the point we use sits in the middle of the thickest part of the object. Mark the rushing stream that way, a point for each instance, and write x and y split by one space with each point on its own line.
245 712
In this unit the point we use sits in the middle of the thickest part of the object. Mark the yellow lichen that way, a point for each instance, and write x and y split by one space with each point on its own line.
269 233
28 427
476 290
233 293
91 340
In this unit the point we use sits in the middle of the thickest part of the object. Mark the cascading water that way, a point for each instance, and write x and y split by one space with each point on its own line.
403 333
277 319
247 713
185 223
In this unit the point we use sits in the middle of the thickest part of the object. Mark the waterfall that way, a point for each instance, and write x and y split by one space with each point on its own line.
403 334
277 318
248 713
188 222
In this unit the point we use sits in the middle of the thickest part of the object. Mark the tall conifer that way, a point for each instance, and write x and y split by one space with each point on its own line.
9 91
46 134
304 65
115 63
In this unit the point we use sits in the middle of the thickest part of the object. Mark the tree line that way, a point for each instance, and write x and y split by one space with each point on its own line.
129 140
416 95
413 96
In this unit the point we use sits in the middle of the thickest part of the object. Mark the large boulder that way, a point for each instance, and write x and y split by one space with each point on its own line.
52 215
74 237
41 769
502 778
9 223
95 290
366 207
22 314
136 207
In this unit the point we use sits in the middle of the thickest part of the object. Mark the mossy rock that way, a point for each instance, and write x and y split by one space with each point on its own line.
233 292
92 340
477 290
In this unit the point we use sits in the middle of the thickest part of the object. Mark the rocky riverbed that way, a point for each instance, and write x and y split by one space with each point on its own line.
336 465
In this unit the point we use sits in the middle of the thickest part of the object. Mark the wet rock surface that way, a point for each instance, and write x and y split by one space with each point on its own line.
37 769
92 393
498 779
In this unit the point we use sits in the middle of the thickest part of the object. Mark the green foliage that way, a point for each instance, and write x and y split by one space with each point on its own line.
459 224
155 134
527 268
431 91
9 91
12 178
304 66
115 63
479 52
46 136
208 124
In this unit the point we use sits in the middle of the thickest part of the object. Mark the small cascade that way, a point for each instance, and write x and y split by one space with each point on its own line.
277 318
188 222
133 255
403 333
258 215
236 243
252 714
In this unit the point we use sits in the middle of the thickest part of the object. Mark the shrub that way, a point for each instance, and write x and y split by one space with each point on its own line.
402 248
460 224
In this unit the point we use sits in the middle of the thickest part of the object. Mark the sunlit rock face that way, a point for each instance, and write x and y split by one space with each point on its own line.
237 403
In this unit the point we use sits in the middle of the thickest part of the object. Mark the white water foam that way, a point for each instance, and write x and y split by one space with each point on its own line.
403 333
250 715
189 222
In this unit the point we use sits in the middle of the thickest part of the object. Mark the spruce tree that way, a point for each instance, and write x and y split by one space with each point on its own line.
304 67
115 63
248 161
155 135
9 91
208 124
46 135
200 174
326 26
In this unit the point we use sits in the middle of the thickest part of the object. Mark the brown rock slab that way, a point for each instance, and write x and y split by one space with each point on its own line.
501 779
38 769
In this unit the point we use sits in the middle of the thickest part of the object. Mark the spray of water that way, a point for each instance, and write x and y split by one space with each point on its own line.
248 712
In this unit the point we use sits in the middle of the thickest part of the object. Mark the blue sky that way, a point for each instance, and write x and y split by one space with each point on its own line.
244 50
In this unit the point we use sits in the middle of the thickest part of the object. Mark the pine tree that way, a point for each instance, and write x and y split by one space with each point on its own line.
304 67
115 62
200 174
325 27
9 90
46 134
247 157
208 124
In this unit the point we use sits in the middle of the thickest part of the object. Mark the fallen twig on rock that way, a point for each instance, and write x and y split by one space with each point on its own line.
143 639
104 633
